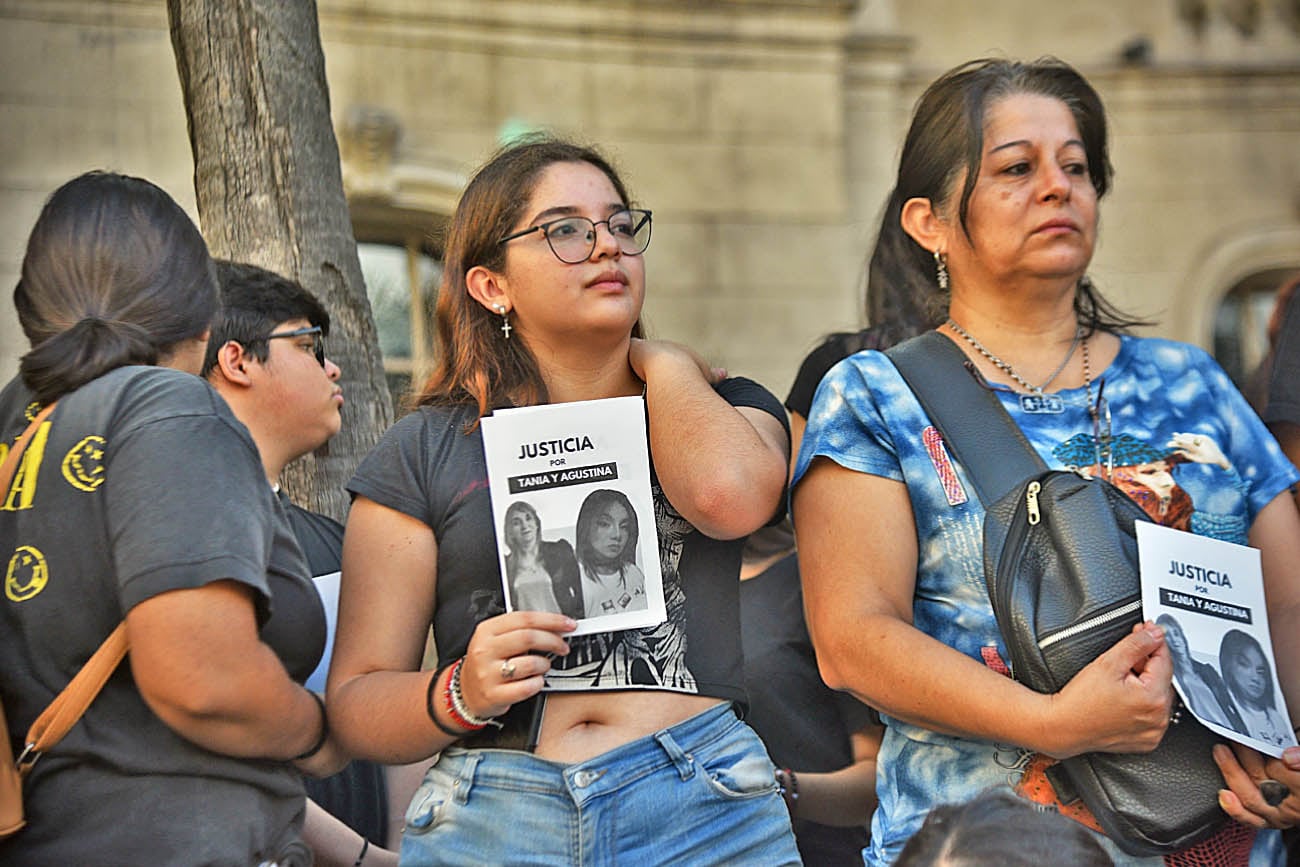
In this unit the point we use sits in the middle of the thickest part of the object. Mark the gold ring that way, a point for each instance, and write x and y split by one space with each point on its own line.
507 670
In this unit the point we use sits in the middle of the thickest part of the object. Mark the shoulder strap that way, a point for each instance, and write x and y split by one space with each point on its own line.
975 426
68 706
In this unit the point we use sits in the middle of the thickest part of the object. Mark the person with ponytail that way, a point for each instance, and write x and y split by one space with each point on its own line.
141 498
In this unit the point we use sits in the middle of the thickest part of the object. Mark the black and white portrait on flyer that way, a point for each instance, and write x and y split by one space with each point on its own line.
1208 596
573 512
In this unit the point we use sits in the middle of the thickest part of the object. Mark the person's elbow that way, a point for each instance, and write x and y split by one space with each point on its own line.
191 706
731 505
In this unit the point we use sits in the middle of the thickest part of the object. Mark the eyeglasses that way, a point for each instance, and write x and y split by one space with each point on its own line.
317 343
573 239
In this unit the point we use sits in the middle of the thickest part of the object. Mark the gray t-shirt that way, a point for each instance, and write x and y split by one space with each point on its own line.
143 482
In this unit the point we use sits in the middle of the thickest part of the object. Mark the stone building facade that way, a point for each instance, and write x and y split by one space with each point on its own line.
762 133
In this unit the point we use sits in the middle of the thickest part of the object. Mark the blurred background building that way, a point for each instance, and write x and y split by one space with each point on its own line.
763 134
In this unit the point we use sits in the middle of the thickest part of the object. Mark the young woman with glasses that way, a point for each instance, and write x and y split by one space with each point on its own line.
541 303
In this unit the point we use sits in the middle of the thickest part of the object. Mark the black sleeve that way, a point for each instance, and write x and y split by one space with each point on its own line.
1284 385
739 391
831 352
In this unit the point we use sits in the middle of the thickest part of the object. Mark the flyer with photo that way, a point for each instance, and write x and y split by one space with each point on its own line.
573 512
1208 596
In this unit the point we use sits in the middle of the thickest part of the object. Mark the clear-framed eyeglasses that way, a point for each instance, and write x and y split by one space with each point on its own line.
573 239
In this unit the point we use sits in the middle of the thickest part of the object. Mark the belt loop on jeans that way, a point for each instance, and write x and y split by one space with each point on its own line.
465 779
681 760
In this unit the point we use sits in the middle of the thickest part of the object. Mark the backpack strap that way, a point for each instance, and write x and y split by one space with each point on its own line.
975 425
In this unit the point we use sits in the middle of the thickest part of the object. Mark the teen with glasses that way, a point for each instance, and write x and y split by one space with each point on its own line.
628 747
266 358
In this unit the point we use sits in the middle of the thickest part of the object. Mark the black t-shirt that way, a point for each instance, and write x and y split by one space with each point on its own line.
141 482
358 794
804 723
428 467
832 350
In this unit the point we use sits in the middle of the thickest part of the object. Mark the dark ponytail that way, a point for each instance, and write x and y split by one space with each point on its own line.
115 274
84 352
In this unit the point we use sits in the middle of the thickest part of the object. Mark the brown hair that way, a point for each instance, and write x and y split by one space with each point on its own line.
115 273
475 364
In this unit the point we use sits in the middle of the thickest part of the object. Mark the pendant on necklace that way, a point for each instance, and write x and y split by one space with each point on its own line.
1040 404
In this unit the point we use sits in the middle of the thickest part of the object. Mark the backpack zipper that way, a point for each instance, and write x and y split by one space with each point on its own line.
1091 623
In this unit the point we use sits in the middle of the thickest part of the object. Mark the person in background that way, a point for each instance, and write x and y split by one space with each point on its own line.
141 494
266 358
898 306
998 828
999 180
635 753
823 742
1282 413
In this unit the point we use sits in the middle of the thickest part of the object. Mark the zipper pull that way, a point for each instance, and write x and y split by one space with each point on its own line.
1031 500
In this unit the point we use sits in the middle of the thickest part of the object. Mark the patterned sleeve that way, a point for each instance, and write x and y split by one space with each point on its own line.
846 422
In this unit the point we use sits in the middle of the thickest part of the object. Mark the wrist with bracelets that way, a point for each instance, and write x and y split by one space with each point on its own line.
788 784
324 730
453 704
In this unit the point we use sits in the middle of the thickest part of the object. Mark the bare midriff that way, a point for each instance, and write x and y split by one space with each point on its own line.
580 726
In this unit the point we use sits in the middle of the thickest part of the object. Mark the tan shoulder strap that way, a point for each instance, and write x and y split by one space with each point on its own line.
68 706
10 465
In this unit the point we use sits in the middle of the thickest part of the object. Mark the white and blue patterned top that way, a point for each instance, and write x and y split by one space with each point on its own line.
1186 447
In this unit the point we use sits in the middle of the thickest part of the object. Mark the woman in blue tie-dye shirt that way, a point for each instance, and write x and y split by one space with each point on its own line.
996 197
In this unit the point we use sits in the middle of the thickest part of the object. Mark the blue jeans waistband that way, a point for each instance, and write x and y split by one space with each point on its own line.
613 769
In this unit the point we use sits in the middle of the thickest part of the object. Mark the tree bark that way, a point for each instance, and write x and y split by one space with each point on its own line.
270 192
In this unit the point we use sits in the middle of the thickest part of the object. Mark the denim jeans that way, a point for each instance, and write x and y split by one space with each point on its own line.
699 792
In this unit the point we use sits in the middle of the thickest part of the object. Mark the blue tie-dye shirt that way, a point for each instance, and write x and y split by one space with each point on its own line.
1183 444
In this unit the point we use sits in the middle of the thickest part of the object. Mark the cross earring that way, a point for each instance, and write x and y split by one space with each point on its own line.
505 321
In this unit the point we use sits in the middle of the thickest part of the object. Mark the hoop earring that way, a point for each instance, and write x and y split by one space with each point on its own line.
505 321
941 271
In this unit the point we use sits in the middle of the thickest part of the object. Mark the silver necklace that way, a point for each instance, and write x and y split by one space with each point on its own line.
1036 401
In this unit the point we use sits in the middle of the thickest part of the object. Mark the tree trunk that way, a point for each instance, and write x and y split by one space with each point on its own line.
270 192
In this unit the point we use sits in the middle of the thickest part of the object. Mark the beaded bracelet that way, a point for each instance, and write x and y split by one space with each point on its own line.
454 704
459 712
432 712
324 730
